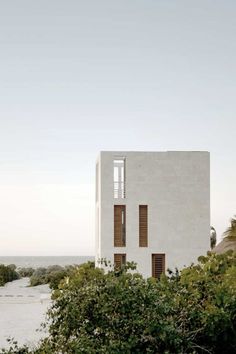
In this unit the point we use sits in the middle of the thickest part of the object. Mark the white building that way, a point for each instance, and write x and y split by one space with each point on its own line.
152 208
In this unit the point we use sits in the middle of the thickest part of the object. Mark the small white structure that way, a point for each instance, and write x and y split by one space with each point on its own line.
152 208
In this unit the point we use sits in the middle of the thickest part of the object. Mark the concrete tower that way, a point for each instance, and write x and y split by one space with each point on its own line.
152 208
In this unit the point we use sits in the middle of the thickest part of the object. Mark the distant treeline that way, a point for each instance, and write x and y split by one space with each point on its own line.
51 275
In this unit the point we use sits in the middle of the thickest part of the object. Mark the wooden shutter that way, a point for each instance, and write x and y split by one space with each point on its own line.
119 226
143 225
158 265
119 260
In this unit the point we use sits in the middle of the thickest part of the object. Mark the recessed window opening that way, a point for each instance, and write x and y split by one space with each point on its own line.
119 260
119 178
158 265
97 181
119 226
143 226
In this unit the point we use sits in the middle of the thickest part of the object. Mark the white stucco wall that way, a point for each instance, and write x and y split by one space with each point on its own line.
176 188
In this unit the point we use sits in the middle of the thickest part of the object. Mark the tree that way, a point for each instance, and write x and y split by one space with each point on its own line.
7 273
191 311
230 233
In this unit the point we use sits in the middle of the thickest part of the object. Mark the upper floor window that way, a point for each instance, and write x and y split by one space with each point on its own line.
119 225
97 181
143 225
119 177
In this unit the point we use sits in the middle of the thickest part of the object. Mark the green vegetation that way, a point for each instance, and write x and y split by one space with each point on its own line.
51 275
230 233
26 272
7 273
192 311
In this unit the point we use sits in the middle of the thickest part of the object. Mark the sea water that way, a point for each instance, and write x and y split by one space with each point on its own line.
44 261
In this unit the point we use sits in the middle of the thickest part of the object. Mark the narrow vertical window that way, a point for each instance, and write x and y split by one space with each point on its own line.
158 265
119 260
119 178
97 181
119 225
143 225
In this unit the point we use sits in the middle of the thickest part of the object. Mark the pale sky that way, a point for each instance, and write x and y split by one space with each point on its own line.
77 77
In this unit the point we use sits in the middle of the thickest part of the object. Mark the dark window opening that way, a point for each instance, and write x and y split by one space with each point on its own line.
119 260
119 225
158 265
143 225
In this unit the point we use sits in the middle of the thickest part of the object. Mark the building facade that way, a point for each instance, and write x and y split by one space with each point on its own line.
152 208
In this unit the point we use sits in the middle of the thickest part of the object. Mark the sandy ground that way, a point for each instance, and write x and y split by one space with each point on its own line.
22 310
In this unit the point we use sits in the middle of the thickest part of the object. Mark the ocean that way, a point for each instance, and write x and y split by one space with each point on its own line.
44 261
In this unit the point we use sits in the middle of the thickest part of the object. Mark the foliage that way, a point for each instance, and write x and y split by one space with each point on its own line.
26 271
230 233
210 302
14 348
38 277
51 275
7 273
192 311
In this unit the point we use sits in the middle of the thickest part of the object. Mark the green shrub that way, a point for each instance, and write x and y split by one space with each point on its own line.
38 277
192 311
7 274
52 275
187 312
26 272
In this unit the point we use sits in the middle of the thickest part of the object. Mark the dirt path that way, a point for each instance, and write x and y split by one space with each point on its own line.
22 310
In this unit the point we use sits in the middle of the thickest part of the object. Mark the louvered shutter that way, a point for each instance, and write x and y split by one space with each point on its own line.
119 260
158 265
143 225
119 226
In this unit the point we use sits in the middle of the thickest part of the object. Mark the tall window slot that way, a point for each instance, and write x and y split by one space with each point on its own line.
97 181
119 178
119 259
158 265
119 225
143 225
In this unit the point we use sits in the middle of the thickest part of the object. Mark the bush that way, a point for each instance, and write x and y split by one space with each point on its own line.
192 311
7 273
52 275
38 277
26 272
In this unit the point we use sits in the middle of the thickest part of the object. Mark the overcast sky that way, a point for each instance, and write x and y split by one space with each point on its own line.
77 77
